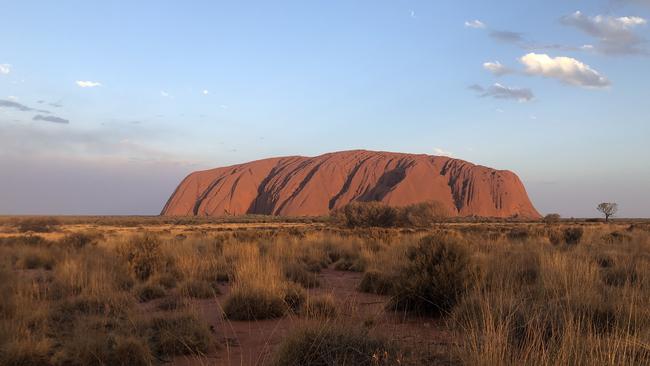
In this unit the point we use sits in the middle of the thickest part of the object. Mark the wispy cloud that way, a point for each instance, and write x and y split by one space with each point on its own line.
565 69
52 119
164 94
615 34
5 69
413 15
507 36
441 152
497 68
205 92
476 24
88 84
20 107
499 91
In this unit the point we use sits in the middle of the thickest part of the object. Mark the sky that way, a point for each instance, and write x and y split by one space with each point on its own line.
106 106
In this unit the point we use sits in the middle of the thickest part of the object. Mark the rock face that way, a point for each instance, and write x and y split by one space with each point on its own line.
304 186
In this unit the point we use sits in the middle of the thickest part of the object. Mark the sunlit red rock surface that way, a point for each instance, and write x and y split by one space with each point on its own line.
310 186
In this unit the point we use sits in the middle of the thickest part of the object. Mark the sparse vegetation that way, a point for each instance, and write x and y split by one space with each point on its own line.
507 293
434 277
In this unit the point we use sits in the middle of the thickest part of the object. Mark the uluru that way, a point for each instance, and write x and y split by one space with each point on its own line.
313 186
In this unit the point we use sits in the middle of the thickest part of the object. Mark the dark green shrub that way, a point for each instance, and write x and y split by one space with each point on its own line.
434 278
179 334
552 218
77 240
368 214
143 255
572 235
423 214
334 345
250 304
376 282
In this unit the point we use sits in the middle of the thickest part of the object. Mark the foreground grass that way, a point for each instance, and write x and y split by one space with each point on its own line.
509 293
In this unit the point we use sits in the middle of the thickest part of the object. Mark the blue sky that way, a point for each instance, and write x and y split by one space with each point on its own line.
104 107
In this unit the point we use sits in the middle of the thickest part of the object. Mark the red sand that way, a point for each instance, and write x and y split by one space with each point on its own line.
304 186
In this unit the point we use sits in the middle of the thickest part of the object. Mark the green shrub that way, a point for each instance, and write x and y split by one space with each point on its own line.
376 282
572 235
368 214
252 304
552 218
434 278
333 345
143 255
179 334
423 214
77 240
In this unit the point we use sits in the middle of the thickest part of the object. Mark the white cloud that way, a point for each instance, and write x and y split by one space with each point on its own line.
497 68
566 69
616 34
476 24
5 69
440 152
13 98
88 84
413 14
205 92
165 94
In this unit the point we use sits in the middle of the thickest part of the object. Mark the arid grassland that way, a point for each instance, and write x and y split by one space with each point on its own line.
268 291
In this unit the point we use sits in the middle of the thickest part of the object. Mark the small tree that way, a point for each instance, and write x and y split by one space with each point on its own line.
608 209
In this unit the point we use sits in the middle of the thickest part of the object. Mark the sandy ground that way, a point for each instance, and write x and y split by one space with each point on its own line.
252 343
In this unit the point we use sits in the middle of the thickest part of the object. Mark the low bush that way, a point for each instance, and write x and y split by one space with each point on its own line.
327 345
179 334
254 304
77 240
552 218
368 214
321 307
376 282
143 254
423 214
434 277
573 235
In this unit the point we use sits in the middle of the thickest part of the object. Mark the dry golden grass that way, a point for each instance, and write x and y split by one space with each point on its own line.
124 292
